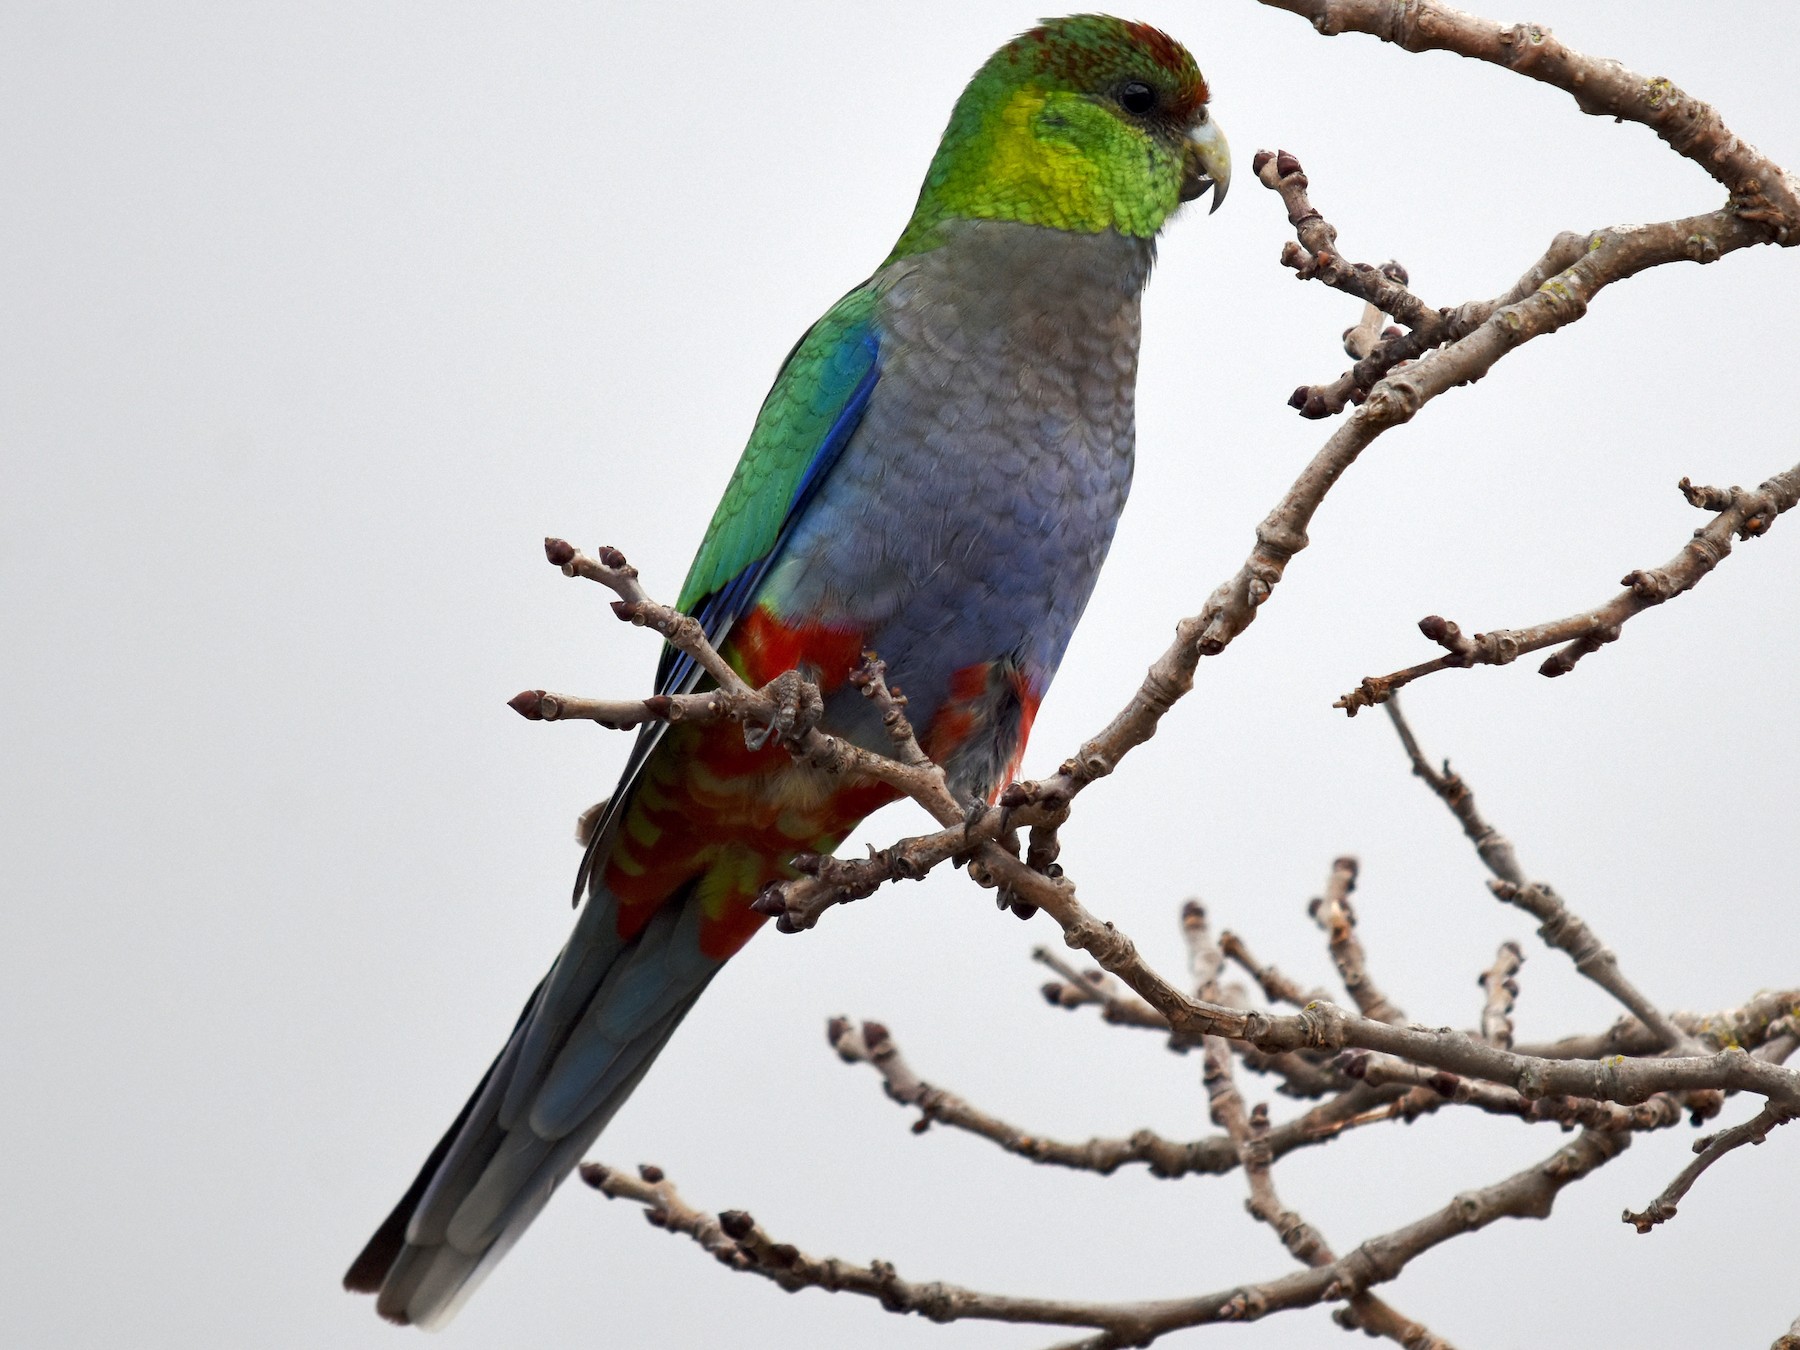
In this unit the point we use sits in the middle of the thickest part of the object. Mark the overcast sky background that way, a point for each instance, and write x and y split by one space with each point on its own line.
318 317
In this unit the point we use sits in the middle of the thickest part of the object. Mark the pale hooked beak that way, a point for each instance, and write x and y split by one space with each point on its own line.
1208 163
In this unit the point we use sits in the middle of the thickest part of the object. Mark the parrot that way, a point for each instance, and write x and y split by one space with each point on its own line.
934 477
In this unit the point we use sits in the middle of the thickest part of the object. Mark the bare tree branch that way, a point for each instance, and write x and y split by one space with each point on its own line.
739 1242
1214 1155
1495 850
1559 926
788 707
1754 1026
736 1240
1710 1150
1333 913
1746 514
1501 988
1761 192
1562 928
1276 987
1430 1089
1249 1132
1078 988
872 1044
1301 1075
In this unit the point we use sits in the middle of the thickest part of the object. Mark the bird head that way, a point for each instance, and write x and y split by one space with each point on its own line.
1086 123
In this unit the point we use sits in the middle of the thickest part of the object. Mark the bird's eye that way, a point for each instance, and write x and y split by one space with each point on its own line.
1136 97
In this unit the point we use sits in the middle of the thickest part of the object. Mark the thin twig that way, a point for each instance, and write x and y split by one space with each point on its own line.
1655 1113
1250 1133
1501 988
1078 988
1752 1026
1710 1150
1762 193
1559 926
1746 514
738 1241
1562 928
873 1044
1276 987
788 707
1495 850
1333 913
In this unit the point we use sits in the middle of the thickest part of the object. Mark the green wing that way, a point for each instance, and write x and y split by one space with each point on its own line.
815 405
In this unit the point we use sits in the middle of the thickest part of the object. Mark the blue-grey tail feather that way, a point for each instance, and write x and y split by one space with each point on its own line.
579 1048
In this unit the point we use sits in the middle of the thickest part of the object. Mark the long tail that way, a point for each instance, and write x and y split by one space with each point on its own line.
585 1038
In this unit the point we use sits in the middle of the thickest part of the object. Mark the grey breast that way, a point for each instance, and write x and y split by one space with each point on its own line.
970 513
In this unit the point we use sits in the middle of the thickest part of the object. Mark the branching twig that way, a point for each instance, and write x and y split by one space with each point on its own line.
1559 926
788 707
1753 1026
1214 1155
1250 1132
1276 987
1761 192
871 1044
1077 988
1383 290
1710 1150
1656 1113
739 1242
1745 514
736 1240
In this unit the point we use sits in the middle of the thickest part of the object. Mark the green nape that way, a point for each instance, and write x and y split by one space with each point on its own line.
1039 136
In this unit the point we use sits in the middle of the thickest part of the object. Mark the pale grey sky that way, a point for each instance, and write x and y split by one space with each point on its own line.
319 316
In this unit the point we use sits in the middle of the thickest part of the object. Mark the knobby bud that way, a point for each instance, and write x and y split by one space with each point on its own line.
736 1224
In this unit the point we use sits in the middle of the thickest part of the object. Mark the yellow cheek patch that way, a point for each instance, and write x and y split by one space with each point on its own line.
1045 181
